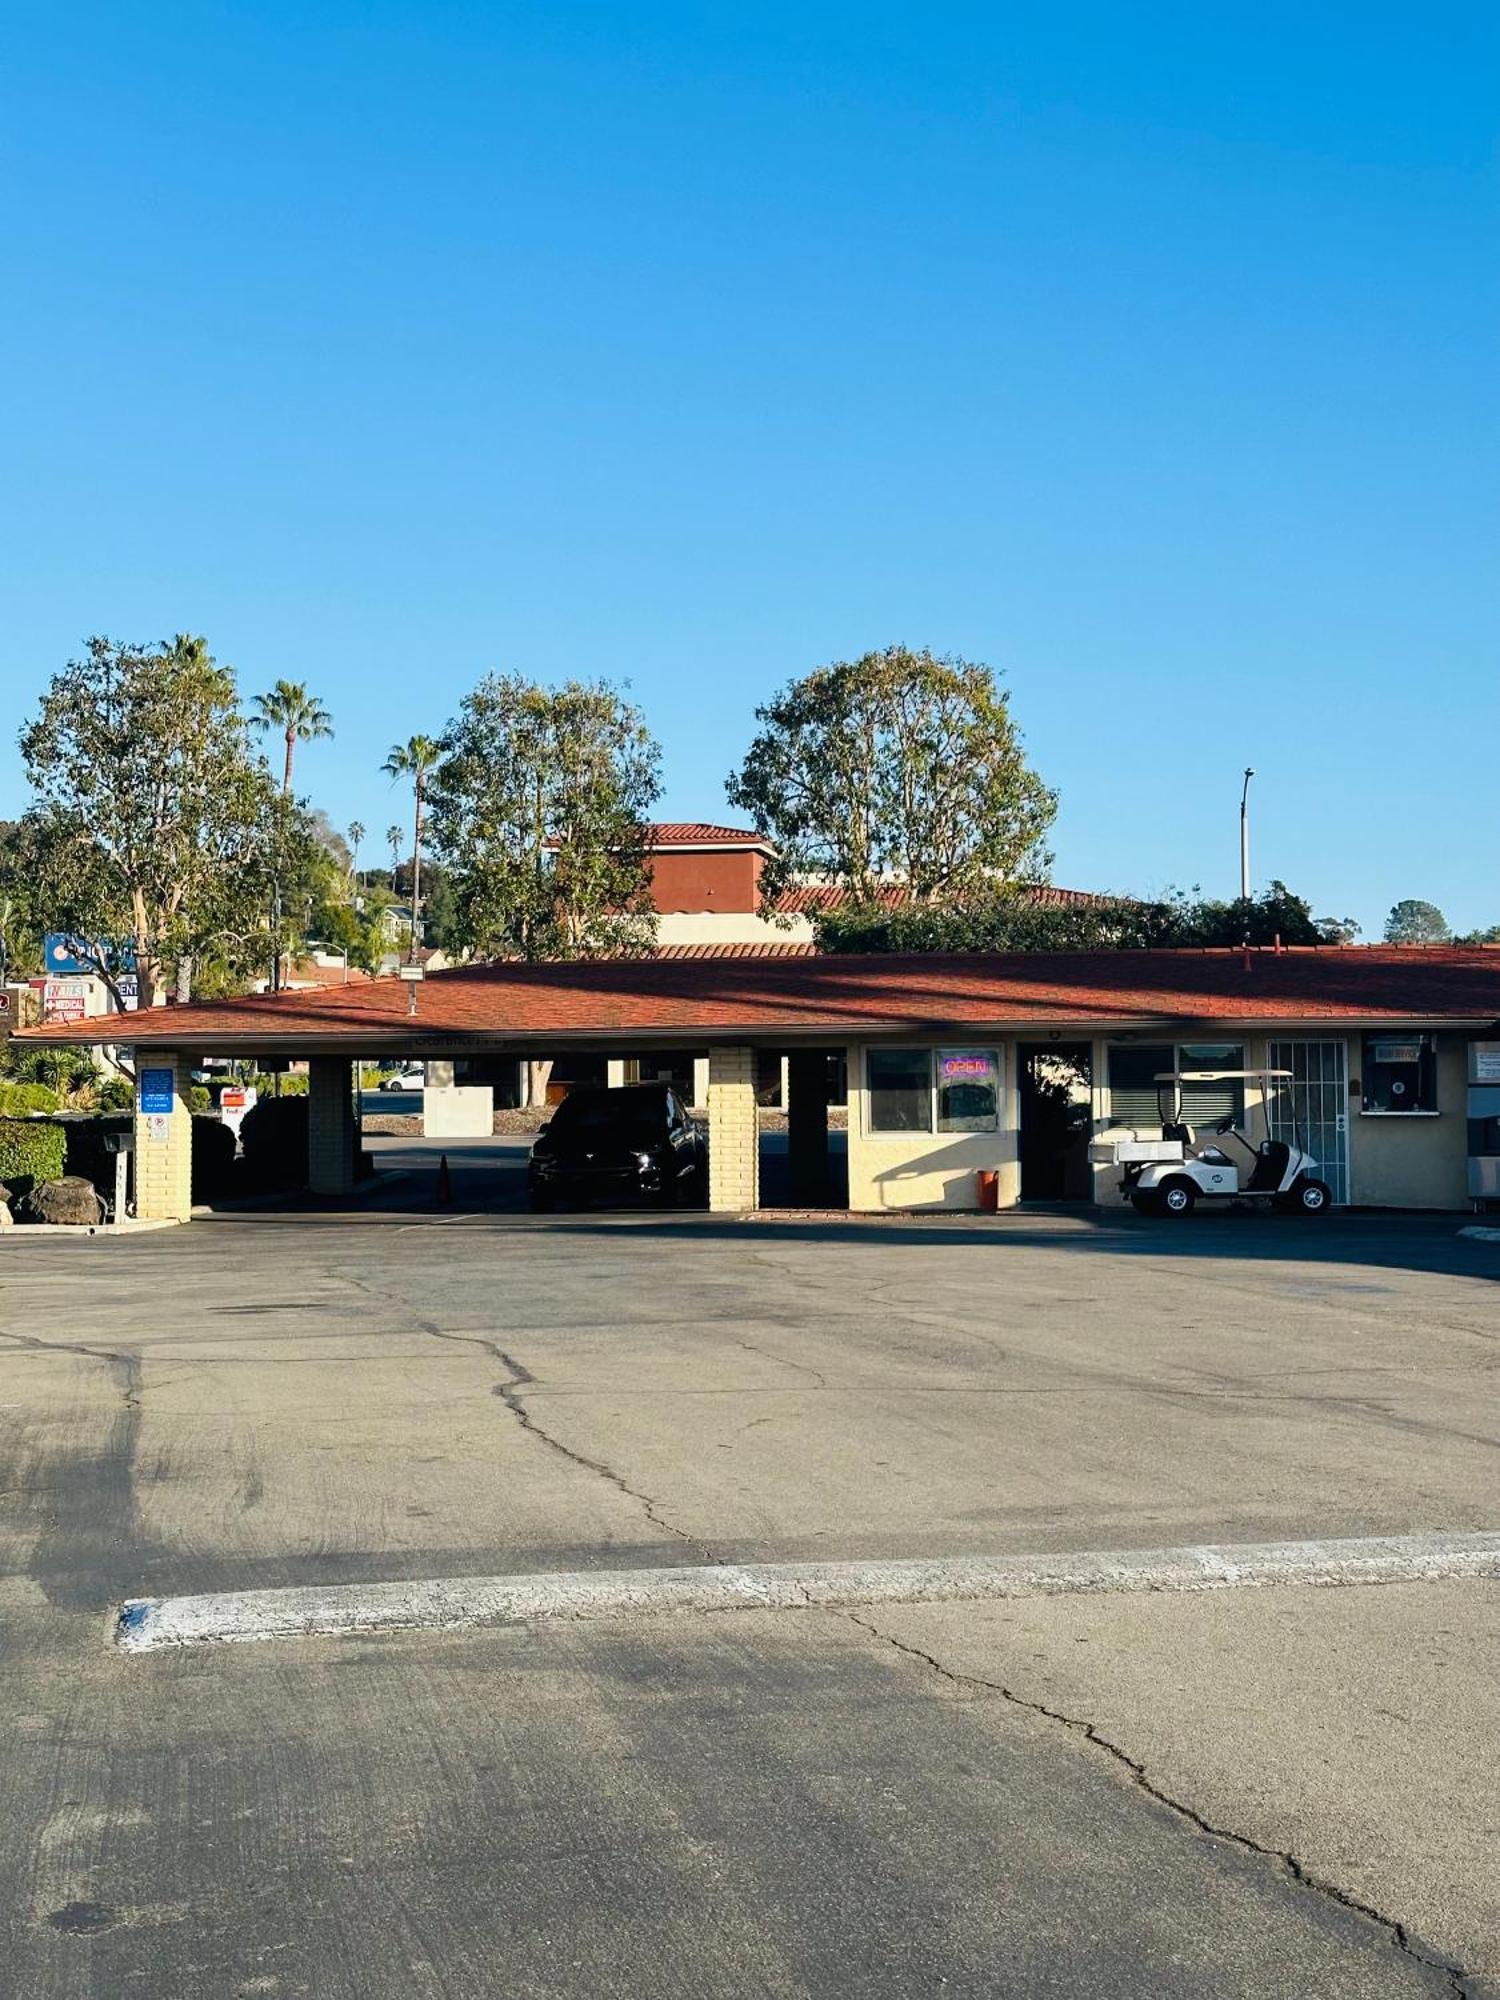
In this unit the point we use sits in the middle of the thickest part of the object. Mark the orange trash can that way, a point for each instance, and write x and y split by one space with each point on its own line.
989 1190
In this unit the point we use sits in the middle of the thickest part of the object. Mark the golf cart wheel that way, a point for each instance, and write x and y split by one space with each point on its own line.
1310 1197
1178 1197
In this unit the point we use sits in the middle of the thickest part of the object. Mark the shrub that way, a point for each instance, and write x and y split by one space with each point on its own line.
273 1134
31 1151
213 1158
199 1098
16 1099
116 1093
293 1084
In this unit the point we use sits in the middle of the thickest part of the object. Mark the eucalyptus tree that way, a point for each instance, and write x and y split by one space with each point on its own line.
897 767
155 829
539 811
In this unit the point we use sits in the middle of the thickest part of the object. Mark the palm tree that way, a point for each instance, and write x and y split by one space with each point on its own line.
297 714
414 759
356 835
394 836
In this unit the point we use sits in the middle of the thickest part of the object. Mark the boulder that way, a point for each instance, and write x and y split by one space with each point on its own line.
72 1199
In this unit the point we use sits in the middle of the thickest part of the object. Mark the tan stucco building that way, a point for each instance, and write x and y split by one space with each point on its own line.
957 1067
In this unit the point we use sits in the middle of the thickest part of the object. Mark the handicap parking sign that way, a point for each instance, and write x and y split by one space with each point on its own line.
156 1092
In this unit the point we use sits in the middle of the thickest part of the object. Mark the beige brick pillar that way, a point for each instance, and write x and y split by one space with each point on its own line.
332 1137
163 1138
733 1130
700 1083
614 1072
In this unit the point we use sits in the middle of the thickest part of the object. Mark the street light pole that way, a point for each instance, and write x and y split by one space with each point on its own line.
1245 835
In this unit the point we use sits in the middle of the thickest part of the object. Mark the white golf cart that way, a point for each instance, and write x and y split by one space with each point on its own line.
1171 1172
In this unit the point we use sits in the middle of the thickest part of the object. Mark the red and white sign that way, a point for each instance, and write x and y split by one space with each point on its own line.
65 999
234 1101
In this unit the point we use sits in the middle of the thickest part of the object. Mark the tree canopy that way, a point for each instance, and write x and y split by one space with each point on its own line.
538 808
1413 921
1015 921
154 822
899 766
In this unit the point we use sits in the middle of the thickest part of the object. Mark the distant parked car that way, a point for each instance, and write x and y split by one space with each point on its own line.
412 1077
635 1141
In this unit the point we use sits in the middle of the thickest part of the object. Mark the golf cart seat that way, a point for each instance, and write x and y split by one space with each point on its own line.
1270 1166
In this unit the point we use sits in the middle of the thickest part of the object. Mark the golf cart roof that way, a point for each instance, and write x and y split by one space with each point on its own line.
1222 1075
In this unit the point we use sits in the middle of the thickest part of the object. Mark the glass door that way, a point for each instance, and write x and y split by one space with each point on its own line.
1314 1106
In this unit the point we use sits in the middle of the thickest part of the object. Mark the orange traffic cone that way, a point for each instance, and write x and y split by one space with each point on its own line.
444 1186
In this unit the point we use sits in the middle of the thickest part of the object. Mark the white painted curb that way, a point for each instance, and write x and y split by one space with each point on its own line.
1479 1233
458 1603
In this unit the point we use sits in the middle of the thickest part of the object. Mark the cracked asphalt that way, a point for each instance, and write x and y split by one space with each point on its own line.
1275 1792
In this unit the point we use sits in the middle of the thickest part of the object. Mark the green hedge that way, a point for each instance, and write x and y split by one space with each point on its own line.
293 1084
31 1151
116 1093
273 1134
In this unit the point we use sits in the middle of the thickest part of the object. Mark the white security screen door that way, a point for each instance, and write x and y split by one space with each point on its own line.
1316 1103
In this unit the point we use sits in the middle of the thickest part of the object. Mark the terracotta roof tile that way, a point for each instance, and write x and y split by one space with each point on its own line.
751 996
818 898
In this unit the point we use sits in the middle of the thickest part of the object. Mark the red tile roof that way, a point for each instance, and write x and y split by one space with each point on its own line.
698 833
760 948
812 899
750 997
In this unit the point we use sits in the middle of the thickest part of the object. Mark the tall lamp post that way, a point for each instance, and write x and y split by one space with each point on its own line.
1245 835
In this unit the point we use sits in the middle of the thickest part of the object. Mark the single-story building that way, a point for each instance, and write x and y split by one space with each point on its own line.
1000 1064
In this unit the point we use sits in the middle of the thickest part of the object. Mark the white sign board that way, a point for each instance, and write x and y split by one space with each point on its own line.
1487 1062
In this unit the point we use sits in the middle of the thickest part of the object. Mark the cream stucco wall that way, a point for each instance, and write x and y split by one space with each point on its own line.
1411 1159
1405 1161
930 1169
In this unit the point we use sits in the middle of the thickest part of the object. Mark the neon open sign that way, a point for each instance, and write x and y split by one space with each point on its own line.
957 1066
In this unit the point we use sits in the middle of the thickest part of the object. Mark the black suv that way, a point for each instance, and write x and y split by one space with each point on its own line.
637 1140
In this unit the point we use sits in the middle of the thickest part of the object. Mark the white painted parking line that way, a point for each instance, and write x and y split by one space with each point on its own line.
1480 1233
458 1603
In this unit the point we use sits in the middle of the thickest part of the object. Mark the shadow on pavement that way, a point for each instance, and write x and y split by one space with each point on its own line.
487 1190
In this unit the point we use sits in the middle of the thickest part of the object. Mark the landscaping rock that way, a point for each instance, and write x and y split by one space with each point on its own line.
72 1199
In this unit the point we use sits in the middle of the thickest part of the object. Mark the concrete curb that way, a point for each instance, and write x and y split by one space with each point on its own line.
462 1603
74 1232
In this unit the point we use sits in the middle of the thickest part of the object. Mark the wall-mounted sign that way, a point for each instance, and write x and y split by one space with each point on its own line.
156 1094
1487 1062
1395 1052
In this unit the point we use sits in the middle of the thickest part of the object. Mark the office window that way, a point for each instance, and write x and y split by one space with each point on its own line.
900 1083
1133 1070
1400 1073
1136 1097
968 1090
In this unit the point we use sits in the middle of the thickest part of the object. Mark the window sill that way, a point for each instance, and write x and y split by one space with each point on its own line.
1400 1114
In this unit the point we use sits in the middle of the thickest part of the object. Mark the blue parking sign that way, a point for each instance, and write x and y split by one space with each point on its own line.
156 1091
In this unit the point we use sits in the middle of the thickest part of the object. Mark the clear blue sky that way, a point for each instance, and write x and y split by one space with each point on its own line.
1145 350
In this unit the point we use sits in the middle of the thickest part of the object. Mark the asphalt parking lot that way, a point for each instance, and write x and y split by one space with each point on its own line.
1277 1791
